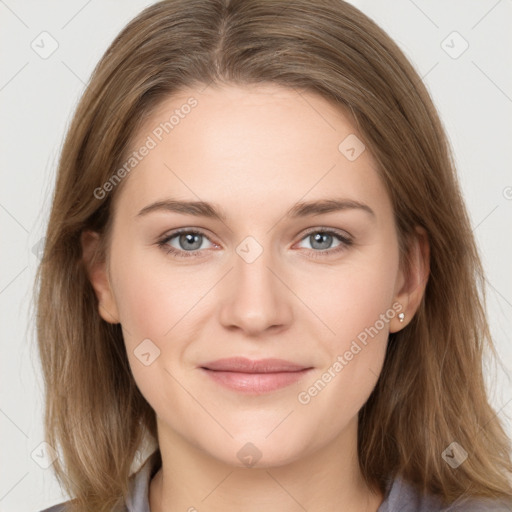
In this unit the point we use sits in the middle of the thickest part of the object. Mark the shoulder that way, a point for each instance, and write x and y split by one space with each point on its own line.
137 500
480 505
60 507
402 496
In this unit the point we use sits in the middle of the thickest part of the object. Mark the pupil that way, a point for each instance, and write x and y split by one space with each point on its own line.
318 237
190 240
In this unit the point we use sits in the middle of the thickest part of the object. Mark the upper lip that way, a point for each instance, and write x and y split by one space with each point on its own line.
244 365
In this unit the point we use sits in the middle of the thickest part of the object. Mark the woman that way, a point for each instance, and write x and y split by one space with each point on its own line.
258 259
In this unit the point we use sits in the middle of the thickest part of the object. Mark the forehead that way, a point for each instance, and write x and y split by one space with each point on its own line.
252 146
220 113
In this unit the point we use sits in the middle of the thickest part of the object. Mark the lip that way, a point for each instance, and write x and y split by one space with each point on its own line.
254 376
245 365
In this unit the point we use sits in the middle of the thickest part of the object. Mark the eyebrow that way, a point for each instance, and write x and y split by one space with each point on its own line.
298 210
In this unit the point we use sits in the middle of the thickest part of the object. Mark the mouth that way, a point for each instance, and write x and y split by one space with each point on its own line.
254 376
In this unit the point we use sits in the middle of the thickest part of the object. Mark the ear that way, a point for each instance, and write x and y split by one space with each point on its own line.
97 272
412 279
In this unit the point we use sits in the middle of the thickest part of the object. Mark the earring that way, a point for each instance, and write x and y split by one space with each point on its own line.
401 317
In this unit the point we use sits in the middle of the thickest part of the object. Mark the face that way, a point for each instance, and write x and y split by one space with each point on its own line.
265 277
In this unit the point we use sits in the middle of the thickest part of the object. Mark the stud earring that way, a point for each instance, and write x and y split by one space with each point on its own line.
401 317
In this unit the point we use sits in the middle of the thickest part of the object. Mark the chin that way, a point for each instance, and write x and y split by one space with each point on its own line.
255 452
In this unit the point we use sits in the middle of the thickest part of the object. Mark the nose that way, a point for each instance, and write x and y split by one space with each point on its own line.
255 296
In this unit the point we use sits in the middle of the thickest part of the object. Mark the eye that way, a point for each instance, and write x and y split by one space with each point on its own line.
321 241
188 241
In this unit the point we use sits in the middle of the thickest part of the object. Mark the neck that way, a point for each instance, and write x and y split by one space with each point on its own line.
327 479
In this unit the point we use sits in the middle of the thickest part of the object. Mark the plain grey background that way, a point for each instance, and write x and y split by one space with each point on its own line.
461 50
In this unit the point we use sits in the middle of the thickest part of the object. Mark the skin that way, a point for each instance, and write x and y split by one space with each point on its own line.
255 151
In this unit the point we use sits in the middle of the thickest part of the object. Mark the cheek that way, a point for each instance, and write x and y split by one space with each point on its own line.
160 309
352 297
150 298
152 305
156 300
355 302
352 357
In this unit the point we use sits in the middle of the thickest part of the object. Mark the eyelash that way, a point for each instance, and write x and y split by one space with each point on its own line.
345 243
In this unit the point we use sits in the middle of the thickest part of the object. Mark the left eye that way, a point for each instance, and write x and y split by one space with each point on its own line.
322 240
190 243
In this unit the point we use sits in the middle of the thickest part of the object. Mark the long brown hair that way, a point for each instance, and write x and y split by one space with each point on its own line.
431 391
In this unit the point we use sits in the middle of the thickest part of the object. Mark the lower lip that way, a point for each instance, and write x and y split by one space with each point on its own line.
255 383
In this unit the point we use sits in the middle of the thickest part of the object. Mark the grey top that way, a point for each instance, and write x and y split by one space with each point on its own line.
400 496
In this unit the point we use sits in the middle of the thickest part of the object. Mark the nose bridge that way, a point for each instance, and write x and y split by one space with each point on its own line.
258 299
